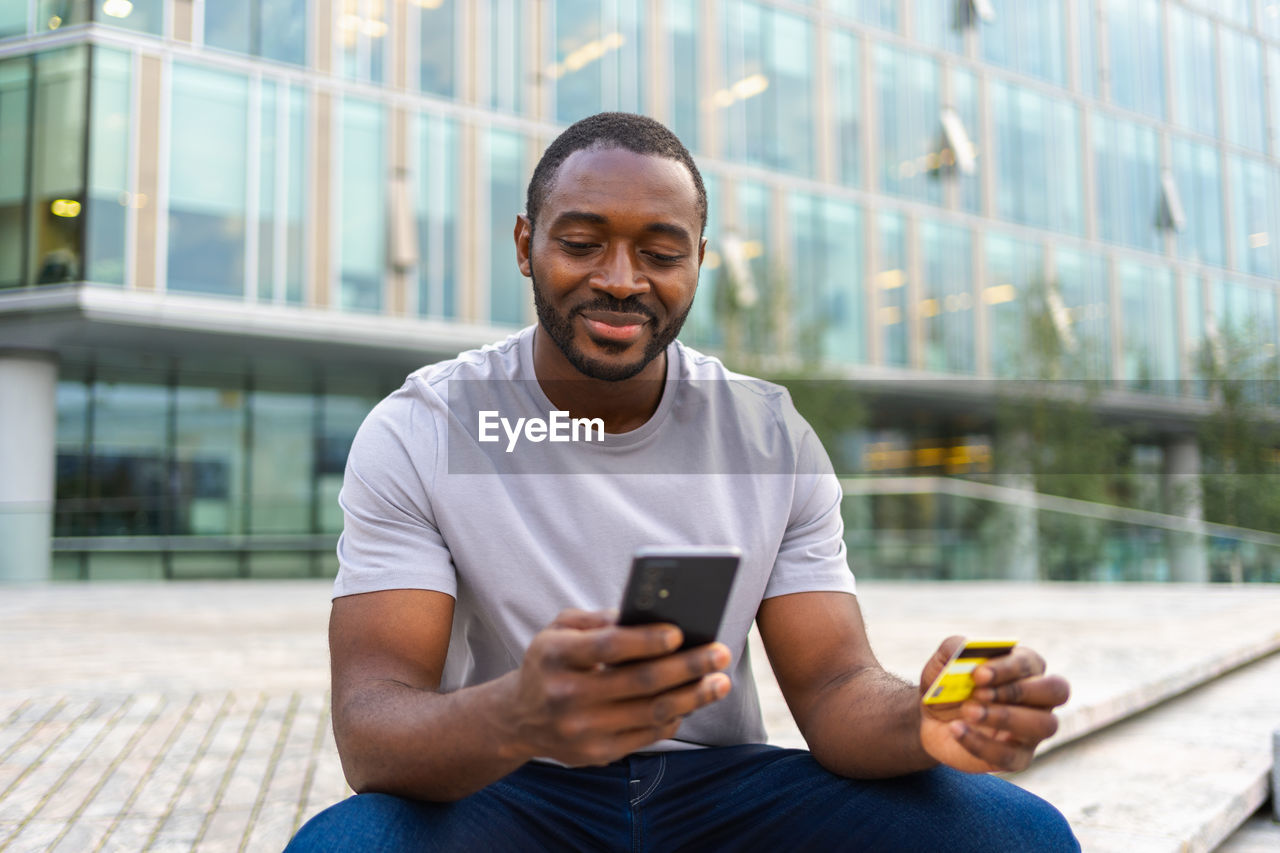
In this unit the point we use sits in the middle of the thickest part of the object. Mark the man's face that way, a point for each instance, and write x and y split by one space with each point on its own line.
614 260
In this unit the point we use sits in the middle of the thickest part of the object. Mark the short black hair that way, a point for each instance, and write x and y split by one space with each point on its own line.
635 133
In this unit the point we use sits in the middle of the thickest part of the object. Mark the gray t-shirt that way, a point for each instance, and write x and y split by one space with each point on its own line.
517 531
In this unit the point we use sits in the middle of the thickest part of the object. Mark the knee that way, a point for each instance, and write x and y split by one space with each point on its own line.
1012 818
362 822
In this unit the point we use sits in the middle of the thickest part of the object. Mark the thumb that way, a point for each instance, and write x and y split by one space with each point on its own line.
939 660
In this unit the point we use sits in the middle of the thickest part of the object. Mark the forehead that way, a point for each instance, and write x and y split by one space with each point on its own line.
615 179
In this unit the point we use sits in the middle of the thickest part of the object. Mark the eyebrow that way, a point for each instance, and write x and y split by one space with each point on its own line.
570 217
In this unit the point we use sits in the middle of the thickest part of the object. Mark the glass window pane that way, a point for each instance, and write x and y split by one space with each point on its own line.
57 165
1255 215
890 281
128 482
55 14
1014 272
229 24
1127 170
1193 66
208 173
946 309
506 55
702 328
684 91
340 417
13 18
1087 45
827 265
1026 37
282 30
1271 18
1273 64
142 16
846 80
209 458
964 100
508 290
1243 108
110 141
1038 157
281 461
1135 47
877 13
360 39
73 461
1149 327
437 27
1199 180
766 87
15 119
941 23
1082 323
282 193
362 267
598 51
437 196
910 124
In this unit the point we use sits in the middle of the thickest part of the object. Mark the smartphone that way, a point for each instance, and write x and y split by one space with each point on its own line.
955 682
685 585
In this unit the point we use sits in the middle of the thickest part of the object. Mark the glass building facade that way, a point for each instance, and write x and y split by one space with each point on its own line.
905 181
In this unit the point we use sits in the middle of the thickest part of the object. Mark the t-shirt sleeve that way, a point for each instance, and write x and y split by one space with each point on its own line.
812 556
389 538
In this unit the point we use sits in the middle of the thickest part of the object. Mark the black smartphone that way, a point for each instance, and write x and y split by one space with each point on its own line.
685 585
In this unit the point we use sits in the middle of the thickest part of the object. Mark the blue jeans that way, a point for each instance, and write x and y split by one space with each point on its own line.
750 797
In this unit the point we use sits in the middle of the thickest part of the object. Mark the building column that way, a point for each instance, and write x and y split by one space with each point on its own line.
1018 548
28 441
1188 560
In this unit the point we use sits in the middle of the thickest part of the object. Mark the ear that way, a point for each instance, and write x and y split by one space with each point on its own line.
523 235
702 251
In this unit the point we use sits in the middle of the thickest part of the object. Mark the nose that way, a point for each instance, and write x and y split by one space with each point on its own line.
618 276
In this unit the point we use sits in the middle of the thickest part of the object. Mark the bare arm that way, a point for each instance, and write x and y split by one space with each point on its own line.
587 692
860 721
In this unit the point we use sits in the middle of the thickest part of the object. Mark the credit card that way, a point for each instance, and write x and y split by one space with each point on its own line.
955 682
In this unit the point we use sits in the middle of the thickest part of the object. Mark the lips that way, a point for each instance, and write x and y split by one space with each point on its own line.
614 326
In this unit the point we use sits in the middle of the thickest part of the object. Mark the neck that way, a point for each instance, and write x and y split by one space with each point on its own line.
623 406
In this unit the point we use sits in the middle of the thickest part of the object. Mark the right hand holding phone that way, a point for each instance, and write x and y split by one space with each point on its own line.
590 691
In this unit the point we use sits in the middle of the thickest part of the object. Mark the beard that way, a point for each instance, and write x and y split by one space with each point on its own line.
560 328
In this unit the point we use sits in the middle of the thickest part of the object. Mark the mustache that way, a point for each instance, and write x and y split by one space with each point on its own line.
605 302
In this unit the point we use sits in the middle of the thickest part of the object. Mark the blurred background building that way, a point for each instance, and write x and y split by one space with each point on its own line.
228 227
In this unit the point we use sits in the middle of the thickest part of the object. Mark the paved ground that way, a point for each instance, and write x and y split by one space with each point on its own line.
195 716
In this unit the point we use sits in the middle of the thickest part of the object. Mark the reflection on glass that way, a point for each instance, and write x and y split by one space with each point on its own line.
208 174
1082 317
128 481
876 13
437 37
1242 328
946 308
110 137
1193 67
1273 63
827 268
1127 171
1137 82
56 14
1026 37
273 29
964 100
890 283
282 193
142 16
846 85
1255 215
942 23
911 140
598 53
1087 45
508 290
209 472
15 103
13 19
506 55
1245 116
281 462
340 417
363 209
1014 272
1150 326
684 93
1038 159
765 91
437 205
57 165
1199 180
72 472
360 39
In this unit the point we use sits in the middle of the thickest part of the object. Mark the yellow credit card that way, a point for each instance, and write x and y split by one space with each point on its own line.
955 682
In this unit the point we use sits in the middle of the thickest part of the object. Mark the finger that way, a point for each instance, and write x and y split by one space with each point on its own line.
1022 662
1002 755
1027 725
658 675
586 649
584 620
1046 691
665 708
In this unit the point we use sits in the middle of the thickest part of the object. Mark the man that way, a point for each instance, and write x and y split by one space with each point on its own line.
483 697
